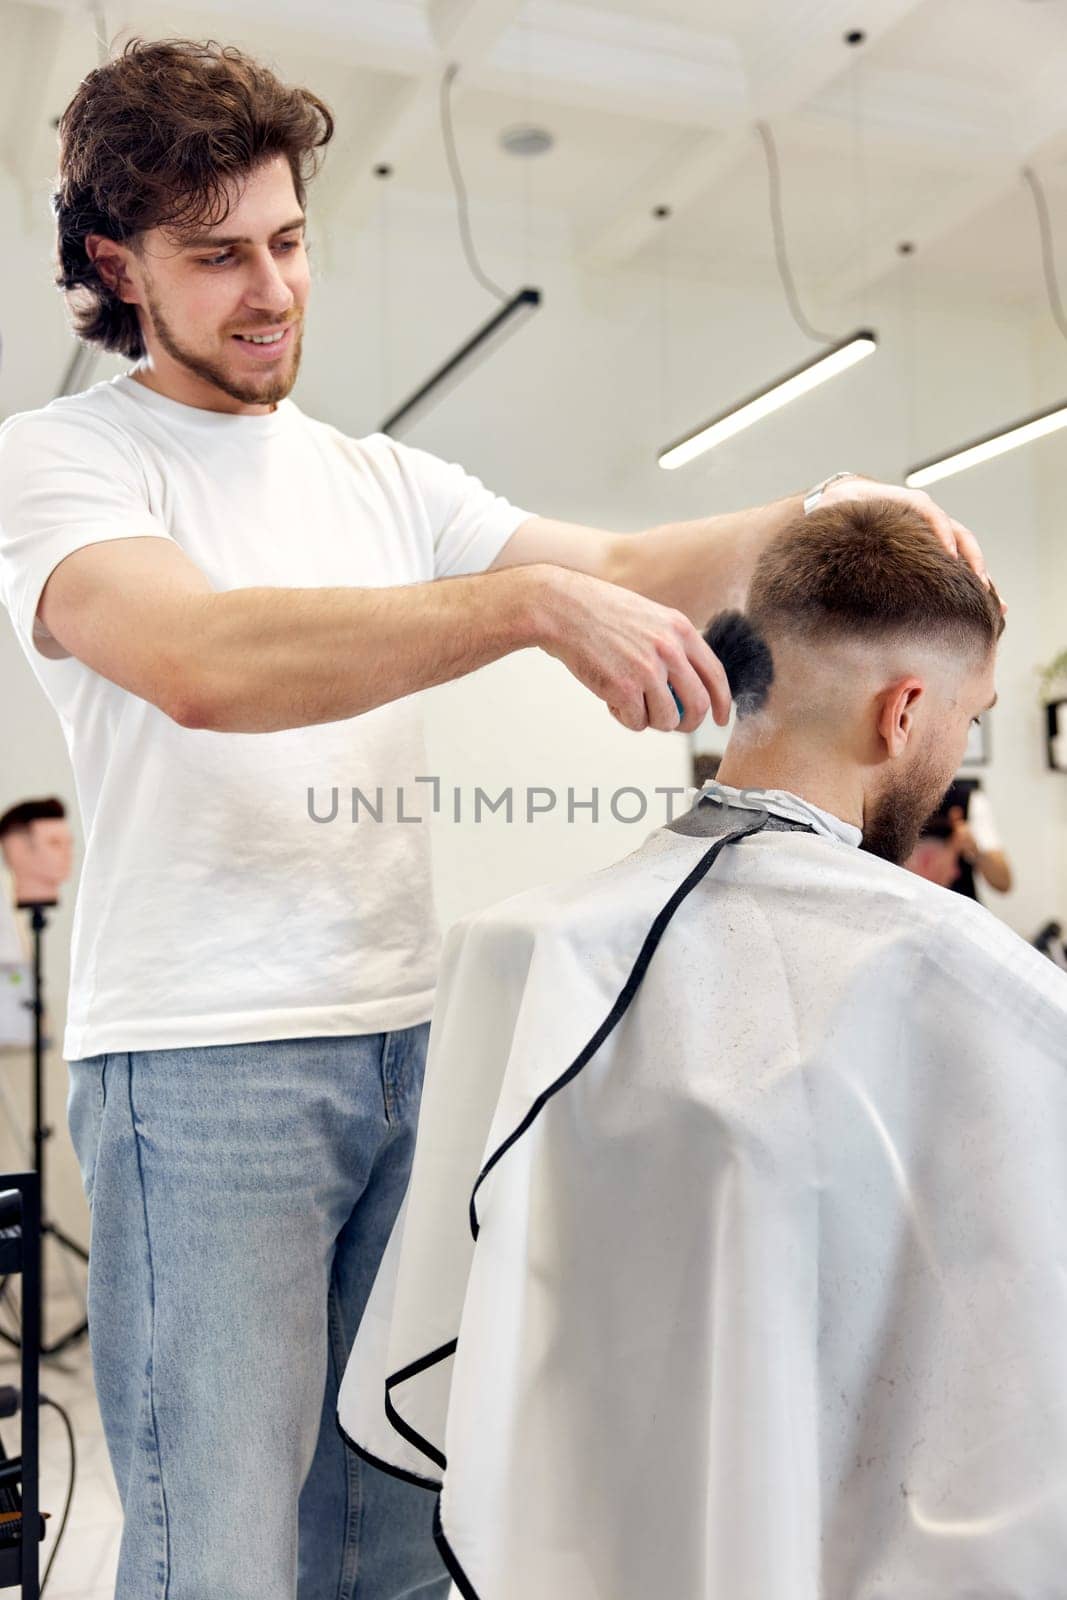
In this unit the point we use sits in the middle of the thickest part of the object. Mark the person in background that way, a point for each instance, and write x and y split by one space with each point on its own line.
37 849
960 843
935 858
975 836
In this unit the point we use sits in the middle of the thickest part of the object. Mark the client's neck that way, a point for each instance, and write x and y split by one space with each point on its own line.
776 762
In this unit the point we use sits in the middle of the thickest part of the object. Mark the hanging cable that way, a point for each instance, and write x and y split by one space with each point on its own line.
906 251
1048 255
662 215
859 160
384 172
785 272
103 49
462 203
46 1400
527 166
79 369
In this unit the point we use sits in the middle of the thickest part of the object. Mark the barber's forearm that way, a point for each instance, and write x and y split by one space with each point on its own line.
995 869
700 567
269 659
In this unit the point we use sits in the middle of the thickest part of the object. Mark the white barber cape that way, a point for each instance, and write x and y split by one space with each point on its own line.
734 1260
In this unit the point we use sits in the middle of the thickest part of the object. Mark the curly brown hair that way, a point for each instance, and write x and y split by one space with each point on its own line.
154 139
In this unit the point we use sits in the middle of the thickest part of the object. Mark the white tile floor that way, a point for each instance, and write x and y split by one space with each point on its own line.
86 1564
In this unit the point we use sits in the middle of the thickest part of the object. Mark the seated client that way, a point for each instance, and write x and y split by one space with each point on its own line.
734 1261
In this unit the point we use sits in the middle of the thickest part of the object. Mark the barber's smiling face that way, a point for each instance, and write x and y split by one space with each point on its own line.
222 310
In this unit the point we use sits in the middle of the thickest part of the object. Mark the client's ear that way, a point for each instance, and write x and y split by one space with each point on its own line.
896 713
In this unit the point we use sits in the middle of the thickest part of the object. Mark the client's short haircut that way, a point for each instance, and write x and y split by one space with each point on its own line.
870 568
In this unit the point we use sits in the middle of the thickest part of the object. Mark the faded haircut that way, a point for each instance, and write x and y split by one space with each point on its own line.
871 569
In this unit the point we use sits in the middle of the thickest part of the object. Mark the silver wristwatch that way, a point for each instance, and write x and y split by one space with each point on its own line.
813 496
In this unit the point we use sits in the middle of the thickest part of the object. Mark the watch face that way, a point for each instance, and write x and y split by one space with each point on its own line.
813 496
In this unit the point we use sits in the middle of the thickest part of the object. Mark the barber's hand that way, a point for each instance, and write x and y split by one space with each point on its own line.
631 652
962 837
957 540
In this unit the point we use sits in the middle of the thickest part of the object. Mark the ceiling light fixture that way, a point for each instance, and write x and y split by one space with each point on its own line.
987 448
803 379
488 338
1041 423
514 309
836 356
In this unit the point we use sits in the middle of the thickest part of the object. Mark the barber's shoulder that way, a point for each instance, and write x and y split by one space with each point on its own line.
73 425
23 429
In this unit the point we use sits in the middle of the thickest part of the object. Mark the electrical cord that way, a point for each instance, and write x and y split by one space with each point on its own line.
46 1400
100 30
1048 254
785 272
459 185
14 1339
79 369
10 1402
9 1303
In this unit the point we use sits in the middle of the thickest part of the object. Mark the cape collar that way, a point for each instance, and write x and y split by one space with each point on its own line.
782 804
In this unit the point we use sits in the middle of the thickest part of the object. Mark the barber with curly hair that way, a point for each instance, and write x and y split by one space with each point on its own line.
228 602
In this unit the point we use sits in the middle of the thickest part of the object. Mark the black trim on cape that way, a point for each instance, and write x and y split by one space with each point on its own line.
450 1559
385 1466
622 1003
585 1055
404 1429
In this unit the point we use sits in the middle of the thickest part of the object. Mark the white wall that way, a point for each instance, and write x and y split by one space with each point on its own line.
566 420
1049 467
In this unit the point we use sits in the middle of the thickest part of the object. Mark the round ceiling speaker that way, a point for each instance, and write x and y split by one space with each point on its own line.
526 140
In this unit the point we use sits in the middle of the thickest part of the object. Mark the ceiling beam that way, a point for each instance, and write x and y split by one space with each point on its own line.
877 255
463 31
790 68
576 54
35 87
1038 134
466 30
595 58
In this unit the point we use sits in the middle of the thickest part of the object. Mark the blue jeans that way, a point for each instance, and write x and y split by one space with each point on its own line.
242 1196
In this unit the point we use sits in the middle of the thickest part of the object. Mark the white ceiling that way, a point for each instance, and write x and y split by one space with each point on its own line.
919 134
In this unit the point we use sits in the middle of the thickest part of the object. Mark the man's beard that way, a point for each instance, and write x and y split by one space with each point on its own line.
892 827
269 392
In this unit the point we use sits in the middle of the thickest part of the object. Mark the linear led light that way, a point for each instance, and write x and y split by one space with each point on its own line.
488 338
837 359
994 444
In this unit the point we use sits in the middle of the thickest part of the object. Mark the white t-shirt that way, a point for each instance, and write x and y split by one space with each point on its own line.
211 908
981 823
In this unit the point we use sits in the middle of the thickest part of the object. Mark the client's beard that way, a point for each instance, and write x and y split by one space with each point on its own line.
892 827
